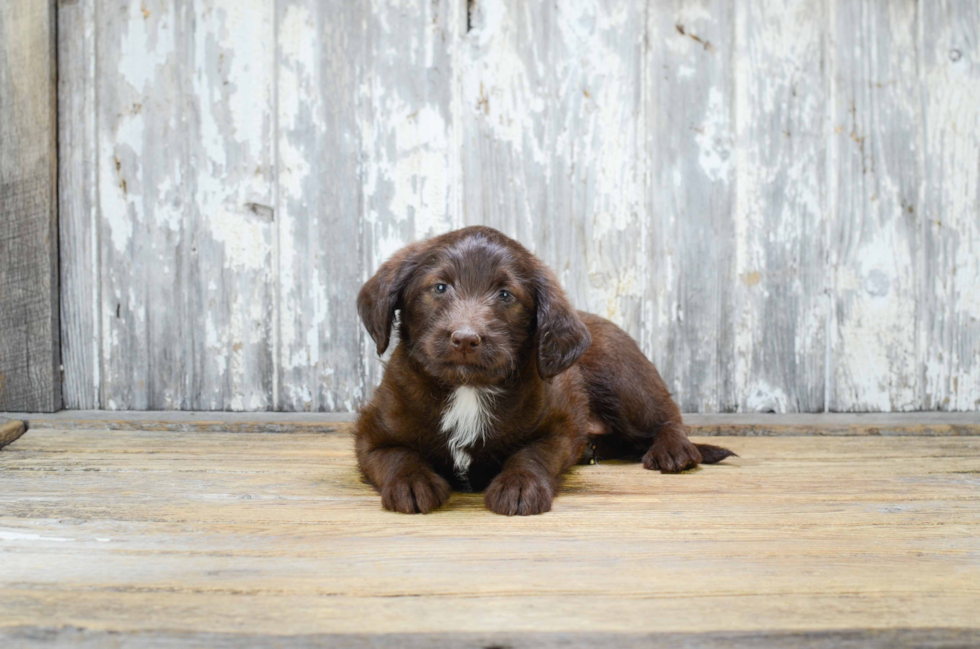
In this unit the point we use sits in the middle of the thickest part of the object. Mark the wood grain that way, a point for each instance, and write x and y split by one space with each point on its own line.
780 212
778 199
30 358
10 430
690 147
78 205
271 535
186 164
506 98
321 50
875 113
949 316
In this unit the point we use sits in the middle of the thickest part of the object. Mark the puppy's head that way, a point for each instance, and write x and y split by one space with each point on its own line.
474 306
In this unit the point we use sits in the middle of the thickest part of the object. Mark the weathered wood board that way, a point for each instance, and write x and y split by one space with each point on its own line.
780 212
890 424
33 637
689 154
10 430
186 169
949 281
320 65
30 360
134 535
78 207
874 227
777 198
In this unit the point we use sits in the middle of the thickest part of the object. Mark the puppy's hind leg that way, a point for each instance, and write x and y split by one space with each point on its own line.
640 415
629 397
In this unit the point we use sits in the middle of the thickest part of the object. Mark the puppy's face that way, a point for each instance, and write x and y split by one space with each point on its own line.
468 312
474 307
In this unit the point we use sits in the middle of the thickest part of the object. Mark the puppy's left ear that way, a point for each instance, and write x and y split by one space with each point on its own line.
561 335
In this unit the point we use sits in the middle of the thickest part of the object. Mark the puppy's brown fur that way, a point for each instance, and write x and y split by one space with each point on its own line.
476 309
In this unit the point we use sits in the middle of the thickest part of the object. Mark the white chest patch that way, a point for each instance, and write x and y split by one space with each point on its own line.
466 419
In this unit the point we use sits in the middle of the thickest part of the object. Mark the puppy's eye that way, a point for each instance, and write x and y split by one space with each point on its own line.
505 296
440 288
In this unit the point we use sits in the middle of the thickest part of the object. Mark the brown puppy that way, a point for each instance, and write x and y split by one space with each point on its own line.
496 383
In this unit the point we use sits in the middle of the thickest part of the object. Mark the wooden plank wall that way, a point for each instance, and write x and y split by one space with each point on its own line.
29 349
778 198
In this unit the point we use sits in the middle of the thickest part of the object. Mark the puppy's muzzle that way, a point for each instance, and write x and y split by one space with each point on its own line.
465 341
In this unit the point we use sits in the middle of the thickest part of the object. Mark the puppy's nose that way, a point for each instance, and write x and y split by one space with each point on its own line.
465 339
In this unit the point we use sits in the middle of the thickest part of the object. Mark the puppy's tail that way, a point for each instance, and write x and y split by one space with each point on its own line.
713 454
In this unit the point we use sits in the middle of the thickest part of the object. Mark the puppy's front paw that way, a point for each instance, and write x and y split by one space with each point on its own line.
417 492
519 492
672 455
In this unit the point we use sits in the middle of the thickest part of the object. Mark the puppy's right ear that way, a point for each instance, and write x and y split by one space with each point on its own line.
380 296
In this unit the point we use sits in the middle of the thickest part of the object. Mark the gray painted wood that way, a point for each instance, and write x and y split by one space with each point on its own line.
186 166
29 332
779 278
949 212
507 97
321 49
78 205
874 238
228 51
688 96
778 199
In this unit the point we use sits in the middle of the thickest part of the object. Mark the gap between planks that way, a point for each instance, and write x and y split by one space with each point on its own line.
938 638
913 424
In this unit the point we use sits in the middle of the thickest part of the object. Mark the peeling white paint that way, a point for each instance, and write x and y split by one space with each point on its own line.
216 347
500 85
420 174
145 46
595 137
874 358
949 337
713 138
245 238
767 398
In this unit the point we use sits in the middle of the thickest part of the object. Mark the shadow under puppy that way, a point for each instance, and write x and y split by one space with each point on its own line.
498 384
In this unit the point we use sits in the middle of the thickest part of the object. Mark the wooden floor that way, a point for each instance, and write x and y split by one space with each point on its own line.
136 538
